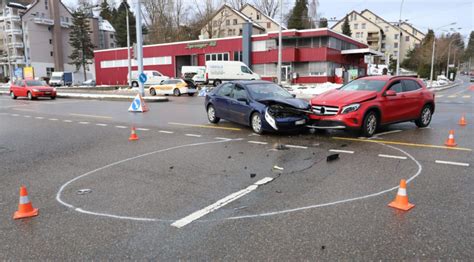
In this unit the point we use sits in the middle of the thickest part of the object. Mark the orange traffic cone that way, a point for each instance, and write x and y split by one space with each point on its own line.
133 135
25 208
450 141
462 121
401 200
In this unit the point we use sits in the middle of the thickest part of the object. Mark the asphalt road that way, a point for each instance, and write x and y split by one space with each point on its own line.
192 191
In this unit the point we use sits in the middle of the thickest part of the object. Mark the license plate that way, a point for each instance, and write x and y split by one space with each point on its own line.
47 93
300 122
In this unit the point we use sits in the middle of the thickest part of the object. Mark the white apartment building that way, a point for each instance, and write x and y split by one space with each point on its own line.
381 35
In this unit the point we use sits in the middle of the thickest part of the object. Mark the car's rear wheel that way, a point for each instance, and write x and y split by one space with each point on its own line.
370 124
12 95
53 97
176 92
425 117
152 92
134 84
256 123
30 96
211 115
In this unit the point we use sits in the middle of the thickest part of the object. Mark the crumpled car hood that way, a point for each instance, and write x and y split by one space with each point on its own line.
292 102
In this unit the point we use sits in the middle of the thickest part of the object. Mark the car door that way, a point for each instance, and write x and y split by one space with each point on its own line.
222 100
393 106
22 90
239 106
414 98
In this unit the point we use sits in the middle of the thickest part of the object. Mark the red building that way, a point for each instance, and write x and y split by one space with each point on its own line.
313 54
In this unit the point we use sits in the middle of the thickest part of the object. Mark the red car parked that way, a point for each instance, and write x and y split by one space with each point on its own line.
31 89
370 102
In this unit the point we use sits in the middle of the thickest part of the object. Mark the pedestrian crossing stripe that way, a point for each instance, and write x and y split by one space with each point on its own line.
466 96
452 96
439 95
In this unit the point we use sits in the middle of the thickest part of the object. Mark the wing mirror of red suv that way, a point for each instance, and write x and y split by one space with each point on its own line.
390 93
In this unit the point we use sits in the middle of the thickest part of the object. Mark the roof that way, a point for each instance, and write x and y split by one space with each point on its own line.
268 17
411 25
395 27
106 26
365 18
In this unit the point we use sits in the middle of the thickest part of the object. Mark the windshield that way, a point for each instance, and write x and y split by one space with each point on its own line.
267 91
364 85
55 78
35 83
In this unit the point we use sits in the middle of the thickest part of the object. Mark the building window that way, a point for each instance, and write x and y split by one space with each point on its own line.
395 53
111 36
237 55
112 45
395 45
395 36
258 16
50 41
217 57
67 19
227 22
51 53
357 35
407 38
235 21
240 31
46 4
386 28
49 71
356 26
363 26
229 32
269 24
382 45
383 37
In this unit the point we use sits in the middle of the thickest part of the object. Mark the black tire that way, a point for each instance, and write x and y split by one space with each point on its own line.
425 117
134 84
370 124
211 115
217 82
53 97
12 95
152 92
256 123
30 96
191 94
176 92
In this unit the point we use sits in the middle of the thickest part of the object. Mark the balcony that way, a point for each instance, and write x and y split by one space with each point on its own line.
43 21
373 39
66 24
16 45
14 31
13 18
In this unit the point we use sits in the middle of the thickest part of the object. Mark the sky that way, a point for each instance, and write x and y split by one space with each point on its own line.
423 14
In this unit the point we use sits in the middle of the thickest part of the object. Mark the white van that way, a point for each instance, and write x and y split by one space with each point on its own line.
219 71
195 73
153 77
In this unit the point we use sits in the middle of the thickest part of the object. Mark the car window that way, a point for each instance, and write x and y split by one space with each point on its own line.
239 92
397 87
245 69
261 91
156 74
225 90
410 85
34 83
364 85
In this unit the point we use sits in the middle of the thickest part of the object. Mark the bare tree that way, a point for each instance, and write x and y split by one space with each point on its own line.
268 7
237 4
210 21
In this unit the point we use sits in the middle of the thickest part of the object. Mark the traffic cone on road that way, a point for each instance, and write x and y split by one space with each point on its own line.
133 135
462 121
401 200
25 208
450 141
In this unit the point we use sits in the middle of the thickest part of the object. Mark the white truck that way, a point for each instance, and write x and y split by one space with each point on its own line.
61 79
153 77
221 71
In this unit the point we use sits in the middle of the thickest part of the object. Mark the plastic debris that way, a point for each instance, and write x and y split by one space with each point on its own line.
332 157
278 191
252 175
280 147
171 167
278 168
84 191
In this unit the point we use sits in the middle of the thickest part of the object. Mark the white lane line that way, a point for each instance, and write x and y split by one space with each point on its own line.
451 163
452 96
341 151
391 156
143 129
67 121
15 115
192 135
165 132
39 117
53 119
100 124
299 147
258 142
84 123
388 132
121 127
27 116
427 127
439 95
221 138
466 96
220 203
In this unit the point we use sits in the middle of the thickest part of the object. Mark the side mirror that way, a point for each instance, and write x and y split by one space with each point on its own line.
293 95
390 93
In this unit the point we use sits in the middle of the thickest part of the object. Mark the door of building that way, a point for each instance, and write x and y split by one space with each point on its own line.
285 73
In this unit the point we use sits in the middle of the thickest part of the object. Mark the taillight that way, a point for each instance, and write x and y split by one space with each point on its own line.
207 76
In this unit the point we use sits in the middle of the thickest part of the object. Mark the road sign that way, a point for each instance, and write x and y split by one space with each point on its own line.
138 105
142 78
19 72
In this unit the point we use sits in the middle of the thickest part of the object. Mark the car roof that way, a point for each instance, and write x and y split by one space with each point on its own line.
387 77
249 82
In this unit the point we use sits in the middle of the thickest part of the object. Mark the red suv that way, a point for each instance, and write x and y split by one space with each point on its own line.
369 102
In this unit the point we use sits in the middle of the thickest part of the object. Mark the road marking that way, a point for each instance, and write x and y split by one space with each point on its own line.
341 151
221 138
402 143
258 142
166 132
388 132
84 123
220 203
15 115
439 95
100 124
452 96
67 121
206 126
466 96
121 127
295 146
39 117
27 116
193 135
394 157
95 116
53 119
451 163
143 129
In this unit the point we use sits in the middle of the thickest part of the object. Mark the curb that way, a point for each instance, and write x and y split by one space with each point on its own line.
103 97
445 87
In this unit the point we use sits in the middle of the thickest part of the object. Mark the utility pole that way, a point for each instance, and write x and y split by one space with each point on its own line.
139 46
280 43
128 46
399 38
432 59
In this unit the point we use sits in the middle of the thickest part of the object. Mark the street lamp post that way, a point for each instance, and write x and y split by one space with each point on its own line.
139 46
280 44
128 46
449 53
399 38
433 51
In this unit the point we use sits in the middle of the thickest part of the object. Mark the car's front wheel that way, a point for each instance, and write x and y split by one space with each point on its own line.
256 123
30 96
370 124
176 92
12 95
152 92
211 115
425 117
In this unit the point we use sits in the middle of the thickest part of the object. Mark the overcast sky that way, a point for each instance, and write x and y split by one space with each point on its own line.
423 14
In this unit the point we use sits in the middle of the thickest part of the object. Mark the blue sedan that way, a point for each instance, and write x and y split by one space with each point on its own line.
262 105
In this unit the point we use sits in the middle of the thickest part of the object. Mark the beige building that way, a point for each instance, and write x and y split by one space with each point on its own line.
228 21
381 35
